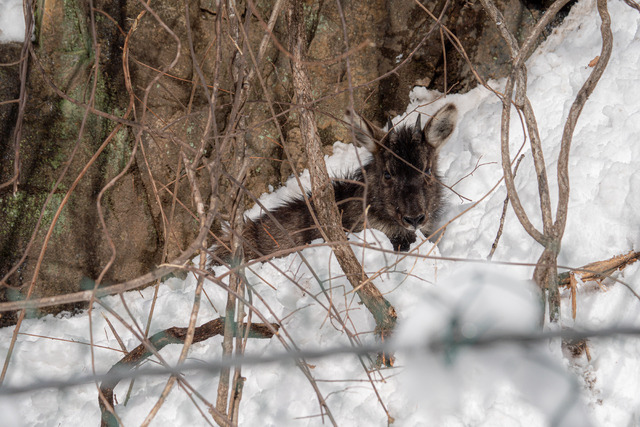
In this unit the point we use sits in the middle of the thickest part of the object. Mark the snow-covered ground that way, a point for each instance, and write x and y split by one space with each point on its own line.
505 384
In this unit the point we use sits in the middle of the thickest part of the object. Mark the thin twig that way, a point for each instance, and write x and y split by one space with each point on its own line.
504 214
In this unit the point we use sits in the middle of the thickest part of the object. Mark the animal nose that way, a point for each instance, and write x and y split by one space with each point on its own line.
414 221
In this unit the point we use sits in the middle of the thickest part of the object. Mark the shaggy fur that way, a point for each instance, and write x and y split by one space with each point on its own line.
403 191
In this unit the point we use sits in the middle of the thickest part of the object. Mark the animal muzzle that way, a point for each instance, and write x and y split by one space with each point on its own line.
413 222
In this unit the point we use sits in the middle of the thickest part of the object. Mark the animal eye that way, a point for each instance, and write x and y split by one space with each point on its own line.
386 175
427 171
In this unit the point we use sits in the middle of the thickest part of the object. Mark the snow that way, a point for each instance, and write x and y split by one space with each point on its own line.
11 21
506 384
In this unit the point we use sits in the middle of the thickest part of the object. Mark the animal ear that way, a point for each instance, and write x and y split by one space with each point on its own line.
440 127
367 134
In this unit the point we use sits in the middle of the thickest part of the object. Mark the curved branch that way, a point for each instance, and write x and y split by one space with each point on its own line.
576 108
174 335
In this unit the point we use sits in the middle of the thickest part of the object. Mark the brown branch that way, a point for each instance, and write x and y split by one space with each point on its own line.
633 4
518 75
129 285
324 199
318 63
55 219
545 275
596 271
576 108
22 99
160 340
551 236
503 216
226 405
223 409
599 270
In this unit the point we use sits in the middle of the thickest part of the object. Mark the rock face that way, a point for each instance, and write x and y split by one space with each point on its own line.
149 113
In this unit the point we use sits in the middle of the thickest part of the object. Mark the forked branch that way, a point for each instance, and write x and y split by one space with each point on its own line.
551 235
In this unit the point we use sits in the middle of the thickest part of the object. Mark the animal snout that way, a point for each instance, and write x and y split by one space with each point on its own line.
414 221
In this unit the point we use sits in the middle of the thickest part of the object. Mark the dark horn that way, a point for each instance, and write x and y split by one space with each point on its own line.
417 127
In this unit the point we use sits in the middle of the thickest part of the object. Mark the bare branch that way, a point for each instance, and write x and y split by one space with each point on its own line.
324 200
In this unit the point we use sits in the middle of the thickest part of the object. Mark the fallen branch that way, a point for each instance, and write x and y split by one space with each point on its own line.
599 270
595 271
160 340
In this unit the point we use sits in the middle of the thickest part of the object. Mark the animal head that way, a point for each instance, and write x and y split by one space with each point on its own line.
403 186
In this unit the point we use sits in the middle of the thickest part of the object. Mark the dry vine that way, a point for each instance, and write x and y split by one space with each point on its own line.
551 236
